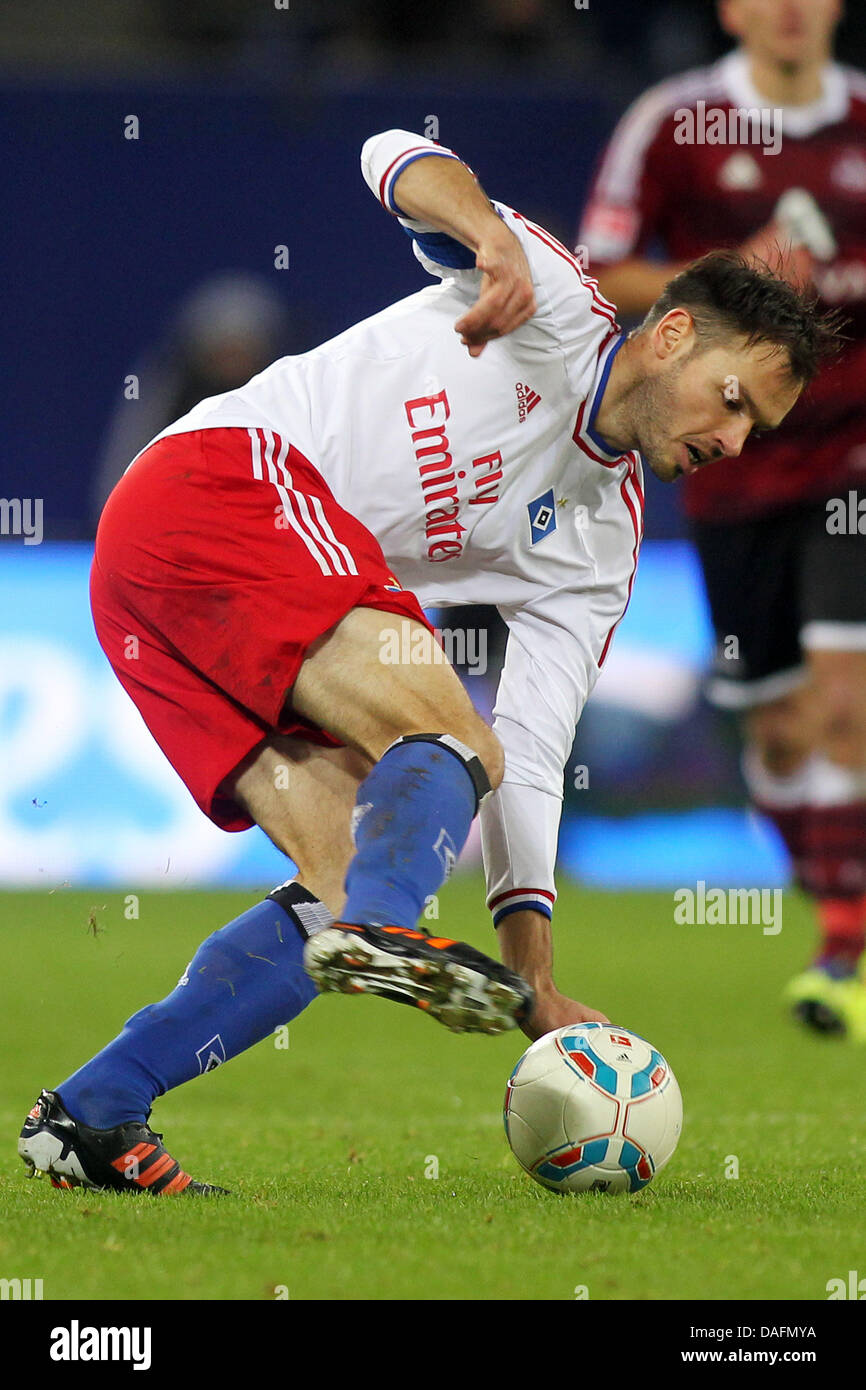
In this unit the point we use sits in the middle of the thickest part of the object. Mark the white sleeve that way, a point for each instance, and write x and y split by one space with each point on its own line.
547 677
569 304
385 156
383 159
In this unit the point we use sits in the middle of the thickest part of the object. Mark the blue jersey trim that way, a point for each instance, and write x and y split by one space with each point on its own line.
444 249
536 905
422 154
602 385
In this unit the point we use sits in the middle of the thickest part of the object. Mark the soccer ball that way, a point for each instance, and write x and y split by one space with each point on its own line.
592 1107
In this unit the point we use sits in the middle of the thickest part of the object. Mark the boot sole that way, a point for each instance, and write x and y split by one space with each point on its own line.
457 996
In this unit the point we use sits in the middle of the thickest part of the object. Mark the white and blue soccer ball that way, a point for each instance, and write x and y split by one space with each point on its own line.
592 1107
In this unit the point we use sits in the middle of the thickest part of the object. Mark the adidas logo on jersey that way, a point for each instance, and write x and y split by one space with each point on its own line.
527 400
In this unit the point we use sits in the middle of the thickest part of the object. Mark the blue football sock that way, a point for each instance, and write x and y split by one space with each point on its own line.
412 816
243 982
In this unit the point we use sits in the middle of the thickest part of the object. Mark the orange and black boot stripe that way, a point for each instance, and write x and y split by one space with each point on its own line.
152 1168
128 1158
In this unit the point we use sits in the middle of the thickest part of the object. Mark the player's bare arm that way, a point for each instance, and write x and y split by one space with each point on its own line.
526 945
445 194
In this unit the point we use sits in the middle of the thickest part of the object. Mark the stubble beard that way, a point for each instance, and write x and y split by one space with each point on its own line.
651 405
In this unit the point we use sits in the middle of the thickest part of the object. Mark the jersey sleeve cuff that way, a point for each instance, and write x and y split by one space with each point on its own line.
384 157
386 188
519 831
521 900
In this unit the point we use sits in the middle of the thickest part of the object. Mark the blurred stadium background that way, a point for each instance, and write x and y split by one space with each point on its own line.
140 277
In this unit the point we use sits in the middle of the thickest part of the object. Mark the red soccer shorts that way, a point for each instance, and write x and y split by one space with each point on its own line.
220 557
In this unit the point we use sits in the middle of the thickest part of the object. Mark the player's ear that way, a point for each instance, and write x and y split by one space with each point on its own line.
673 332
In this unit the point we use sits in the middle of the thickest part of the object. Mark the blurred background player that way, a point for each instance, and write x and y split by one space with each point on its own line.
228 328
783 556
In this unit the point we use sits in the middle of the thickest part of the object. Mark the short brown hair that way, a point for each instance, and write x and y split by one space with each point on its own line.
729 296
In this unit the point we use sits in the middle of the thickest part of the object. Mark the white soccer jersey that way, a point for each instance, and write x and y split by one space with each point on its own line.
484 481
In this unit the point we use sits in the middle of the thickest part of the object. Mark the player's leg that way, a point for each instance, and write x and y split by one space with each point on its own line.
760 673
829 822
435 759
833 636
829 996
414 723
839 682
370 704
778 742
245 980
249 976
839 826
369 691
280 783
751 576
208 667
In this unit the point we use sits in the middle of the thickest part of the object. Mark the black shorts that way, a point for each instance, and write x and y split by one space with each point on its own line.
780 586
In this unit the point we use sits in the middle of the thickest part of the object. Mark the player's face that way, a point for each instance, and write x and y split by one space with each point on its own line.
782 31
702 405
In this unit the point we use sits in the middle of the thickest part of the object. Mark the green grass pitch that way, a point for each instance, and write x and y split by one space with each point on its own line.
328 1145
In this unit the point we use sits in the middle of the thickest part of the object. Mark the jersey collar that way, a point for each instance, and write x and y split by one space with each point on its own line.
586 436
799 121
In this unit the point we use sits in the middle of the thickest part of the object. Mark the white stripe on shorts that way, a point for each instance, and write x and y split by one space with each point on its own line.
318 527
285 497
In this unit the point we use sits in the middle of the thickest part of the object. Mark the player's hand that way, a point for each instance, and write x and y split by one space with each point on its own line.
507 298
771 245
554 1010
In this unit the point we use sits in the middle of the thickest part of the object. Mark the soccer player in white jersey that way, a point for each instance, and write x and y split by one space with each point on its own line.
256 560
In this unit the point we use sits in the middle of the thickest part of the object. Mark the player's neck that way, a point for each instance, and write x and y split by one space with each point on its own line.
788 84
613 419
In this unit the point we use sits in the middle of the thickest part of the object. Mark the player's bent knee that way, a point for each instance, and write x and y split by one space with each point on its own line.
484 743
843 737
782 757
781 741
485 768
842 718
